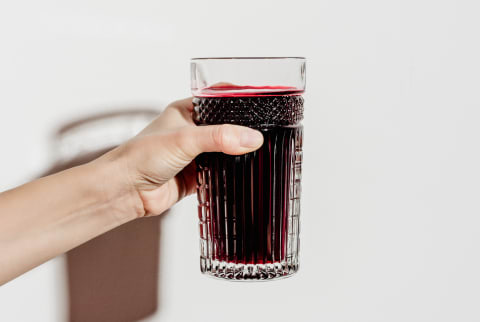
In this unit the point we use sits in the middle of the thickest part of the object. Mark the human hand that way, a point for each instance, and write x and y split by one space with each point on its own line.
157 164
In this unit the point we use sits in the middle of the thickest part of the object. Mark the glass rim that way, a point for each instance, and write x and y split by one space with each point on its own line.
249 58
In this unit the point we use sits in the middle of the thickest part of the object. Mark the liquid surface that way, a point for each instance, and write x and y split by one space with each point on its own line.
230 90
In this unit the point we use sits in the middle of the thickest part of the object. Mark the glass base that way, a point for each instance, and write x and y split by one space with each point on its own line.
247 272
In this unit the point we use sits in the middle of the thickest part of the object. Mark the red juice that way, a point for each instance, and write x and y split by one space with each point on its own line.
249 205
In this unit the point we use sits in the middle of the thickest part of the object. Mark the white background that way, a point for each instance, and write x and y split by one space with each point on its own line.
390 208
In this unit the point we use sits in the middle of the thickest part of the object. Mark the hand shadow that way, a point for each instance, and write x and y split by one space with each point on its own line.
113 277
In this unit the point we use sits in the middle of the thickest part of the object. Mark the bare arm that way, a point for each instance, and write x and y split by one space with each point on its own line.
143 177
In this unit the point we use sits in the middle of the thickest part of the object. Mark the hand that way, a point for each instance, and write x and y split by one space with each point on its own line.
145 176
157 163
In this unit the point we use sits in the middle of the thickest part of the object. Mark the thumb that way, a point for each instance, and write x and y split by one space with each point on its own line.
226 138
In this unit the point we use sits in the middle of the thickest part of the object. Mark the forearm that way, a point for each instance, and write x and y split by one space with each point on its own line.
52 215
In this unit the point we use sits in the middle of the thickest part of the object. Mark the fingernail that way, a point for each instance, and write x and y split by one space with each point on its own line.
251 138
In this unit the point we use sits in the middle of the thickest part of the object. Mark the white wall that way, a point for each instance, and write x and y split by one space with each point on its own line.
390 213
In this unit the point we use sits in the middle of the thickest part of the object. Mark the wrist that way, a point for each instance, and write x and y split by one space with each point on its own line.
115 186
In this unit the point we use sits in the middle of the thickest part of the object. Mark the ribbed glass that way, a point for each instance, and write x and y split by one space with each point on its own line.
249 205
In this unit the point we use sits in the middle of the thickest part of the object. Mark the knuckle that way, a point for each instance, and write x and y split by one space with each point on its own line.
183 143
220 135
182 137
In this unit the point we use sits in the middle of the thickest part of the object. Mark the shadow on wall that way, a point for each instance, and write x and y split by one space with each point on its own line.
113 277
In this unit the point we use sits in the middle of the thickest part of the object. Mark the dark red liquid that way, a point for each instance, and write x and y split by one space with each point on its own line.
247 202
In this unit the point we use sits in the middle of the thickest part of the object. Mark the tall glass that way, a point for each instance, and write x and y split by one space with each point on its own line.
249 205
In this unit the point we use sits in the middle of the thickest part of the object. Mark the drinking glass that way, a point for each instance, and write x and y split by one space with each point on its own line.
249 205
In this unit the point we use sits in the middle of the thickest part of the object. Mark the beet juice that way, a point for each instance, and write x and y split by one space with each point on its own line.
249 205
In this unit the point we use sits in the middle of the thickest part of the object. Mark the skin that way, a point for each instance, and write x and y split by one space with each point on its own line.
143 177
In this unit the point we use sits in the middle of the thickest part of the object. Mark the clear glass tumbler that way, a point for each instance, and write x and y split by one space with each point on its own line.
249 205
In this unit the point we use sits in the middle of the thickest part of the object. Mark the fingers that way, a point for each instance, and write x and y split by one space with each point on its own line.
229 139
183 104
177 114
